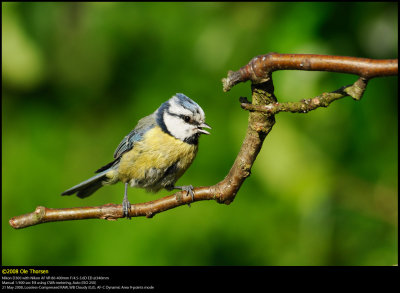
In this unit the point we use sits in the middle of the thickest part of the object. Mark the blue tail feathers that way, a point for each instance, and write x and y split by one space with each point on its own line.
87 187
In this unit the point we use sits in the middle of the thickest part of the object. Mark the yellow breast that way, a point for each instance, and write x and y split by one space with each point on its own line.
151 157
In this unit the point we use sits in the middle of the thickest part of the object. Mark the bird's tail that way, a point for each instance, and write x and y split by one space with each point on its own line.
89 186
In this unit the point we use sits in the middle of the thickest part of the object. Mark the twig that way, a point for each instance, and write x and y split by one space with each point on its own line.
259 68
355 90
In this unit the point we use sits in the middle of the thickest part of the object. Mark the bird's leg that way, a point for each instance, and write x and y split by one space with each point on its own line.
126 205
188 189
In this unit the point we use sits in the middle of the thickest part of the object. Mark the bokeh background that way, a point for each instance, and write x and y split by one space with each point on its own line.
76 77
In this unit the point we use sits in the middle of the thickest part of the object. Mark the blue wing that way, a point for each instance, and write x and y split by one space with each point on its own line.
144 125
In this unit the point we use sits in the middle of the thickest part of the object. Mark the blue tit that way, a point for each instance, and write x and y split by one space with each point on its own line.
155 154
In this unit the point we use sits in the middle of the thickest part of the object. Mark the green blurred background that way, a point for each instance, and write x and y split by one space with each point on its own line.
78 76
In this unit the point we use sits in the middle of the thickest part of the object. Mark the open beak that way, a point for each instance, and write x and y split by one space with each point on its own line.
203 125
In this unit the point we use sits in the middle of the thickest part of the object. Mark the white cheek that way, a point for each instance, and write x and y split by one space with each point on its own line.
177 127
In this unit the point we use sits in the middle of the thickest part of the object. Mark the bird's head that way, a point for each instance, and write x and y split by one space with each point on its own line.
182 118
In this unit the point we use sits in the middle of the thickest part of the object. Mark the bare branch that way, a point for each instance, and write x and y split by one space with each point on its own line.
259 68
355 90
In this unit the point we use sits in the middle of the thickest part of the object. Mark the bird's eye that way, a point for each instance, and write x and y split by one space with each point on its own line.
186 119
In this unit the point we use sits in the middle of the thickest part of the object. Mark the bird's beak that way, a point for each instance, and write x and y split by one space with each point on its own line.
204 125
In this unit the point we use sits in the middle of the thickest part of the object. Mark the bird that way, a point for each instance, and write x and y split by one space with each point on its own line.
155 154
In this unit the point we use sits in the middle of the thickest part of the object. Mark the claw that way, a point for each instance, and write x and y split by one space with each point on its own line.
126 205
188 189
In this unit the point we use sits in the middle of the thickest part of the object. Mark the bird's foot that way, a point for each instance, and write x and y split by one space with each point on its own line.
126 207
188 189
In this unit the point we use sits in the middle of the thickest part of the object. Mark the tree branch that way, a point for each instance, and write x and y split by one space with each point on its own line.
259 68
355 90
261 120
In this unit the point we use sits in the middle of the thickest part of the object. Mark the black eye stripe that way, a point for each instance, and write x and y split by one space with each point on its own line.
182 116
188 119
175 115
